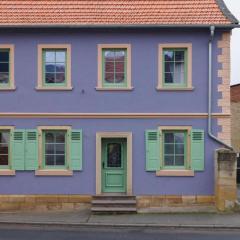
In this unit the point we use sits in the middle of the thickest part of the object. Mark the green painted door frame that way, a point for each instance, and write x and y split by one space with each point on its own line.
114 165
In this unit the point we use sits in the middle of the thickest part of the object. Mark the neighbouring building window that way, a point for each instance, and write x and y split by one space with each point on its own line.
54 150
6 67
114 67
174 149
54 71
175 67
4 148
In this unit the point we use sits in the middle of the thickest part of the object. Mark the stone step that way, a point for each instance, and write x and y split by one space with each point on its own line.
114 204
114 209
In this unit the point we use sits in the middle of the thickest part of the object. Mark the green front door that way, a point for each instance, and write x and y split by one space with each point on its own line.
114 157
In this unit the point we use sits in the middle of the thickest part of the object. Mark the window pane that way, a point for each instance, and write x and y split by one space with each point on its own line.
120 56
3 148
60 77
49 137
179 73
60 137
168 77
179 160
49 56
60 149
50 160
119 77
3 160
4 78
4 56
168 55
109 66
50 78
109 55
179 137
119 67
4 67
179 149
114 155
109 77
169 67
179 56
169 137
4 137
169 160
60 67
60 160
49 148
60 56
169 149
50 68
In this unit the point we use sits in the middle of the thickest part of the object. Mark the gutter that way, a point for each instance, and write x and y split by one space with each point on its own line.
211 135
117 26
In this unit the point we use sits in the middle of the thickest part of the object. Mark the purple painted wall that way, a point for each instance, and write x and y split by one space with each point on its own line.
144 98
84 182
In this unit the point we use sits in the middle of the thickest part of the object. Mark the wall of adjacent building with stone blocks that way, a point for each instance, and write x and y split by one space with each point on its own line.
235 136
225 179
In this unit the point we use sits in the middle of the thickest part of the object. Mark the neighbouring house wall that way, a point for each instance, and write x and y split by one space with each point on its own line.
235 119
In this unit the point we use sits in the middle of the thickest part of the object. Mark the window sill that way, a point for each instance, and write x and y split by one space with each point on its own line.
7 172
13 88
175 173
54 88
52 172
175 89
114 88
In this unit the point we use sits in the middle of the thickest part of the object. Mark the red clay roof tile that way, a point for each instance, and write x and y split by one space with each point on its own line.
111 12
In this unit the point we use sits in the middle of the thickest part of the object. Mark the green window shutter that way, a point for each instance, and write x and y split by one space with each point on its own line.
197 149
76 149
31 153
152 140
18 149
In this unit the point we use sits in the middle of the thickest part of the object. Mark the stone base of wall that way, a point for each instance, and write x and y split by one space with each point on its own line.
44 202
178 203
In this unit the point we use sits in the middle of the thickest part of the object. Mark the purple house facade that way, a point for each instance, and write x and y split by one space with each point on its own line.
95 105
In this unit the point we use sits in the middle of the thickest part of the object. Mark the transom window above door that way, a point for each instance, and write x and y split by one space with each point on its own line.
114 67
54 67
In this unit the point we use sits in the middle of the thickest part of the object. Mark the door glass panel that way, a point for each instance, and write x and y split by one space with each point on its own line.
114 155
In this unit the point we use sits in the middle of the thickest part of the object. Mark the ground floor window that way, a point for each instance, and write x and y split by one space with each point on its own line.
54 150
4 148
174 149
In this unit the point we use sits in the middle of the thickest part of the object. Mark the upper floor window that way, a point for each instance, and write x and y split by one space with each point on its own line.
6 67
175 67
54 67
114 67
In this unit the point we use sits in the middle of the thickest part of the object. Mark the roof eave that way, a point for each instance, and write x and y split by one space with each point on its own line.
229 26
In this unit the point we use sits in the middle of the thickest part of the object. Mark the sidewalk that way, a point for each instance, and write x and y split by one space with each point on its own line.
86 219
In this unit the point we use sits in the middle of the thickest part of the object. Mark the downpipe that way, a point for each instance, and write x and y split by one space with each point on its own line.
211 135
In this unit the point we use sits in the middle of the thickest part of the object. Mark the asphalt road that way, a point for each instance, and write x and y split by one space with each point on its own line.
28 233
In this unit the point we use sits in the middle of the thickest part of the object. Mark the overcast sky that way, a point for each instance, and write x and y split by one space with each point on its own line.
234 7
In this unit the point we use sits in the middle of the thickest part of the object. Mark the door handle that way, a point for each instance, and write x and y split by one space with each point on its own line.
103 164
